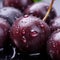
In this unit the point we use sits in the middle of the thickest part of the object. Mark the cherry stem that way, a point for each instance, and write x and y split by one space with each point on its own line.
50 7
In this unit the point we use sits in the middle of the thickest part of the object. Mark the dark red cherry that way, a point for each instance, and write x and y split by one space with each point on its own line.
53 45
29 33
55 24
10 13
20 4
40 9
4 29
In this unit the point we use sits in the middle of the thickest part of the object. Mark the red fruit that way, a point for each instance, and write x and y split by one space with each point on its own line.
10 13
40 9
4 29
55 24
20 4
53 45
29 34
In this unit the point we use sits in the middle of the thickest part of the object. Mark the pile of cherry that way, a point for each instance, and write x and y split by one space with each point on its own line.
23 33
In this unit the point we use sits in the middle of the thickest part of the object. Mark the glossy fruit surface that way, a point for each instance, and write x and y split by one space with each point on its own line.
4 29
10 13
29 33
20 4
53 45
55 24
40 9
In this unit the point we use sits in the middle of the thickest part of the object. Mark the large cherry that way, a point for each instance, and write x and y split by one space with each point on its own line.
40 9
53 45
4 29
29 33
55 24
20 4
10 13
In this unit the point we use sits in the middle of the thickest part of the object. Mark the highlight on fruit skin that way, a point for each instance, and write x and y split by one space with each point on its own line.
55 24
29 34
19 4
53 45
42 10
10 13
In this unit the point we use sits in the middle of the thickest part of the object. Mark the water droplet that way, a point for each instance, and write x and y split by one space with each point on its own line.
54 46
15 41
34 33
15 17
23 31
42 25
25 16
24 39
51 53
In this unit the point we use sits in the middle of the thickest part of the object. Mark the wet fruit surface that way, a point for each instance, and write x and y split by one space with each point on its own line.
53 45
29 33
20 4
39 10
10 13
55 24
26 38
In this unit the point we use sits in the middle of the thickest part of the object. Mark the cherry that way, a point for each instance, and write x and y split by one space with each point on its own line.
4 29
53 45
20 4
39 10
29 33
55 24
10 13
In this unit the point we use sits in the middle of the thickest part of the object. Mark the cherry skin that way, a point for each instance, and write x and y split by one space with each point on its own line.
4 29
20 4
40 9
55 24
53 45
29 34
10 13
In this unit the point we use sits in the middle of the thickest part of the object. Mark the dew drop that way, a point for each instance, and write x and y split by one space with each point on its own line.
23 31
42 25
24 39
54 46
15 17
51 53
34 33
25 16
